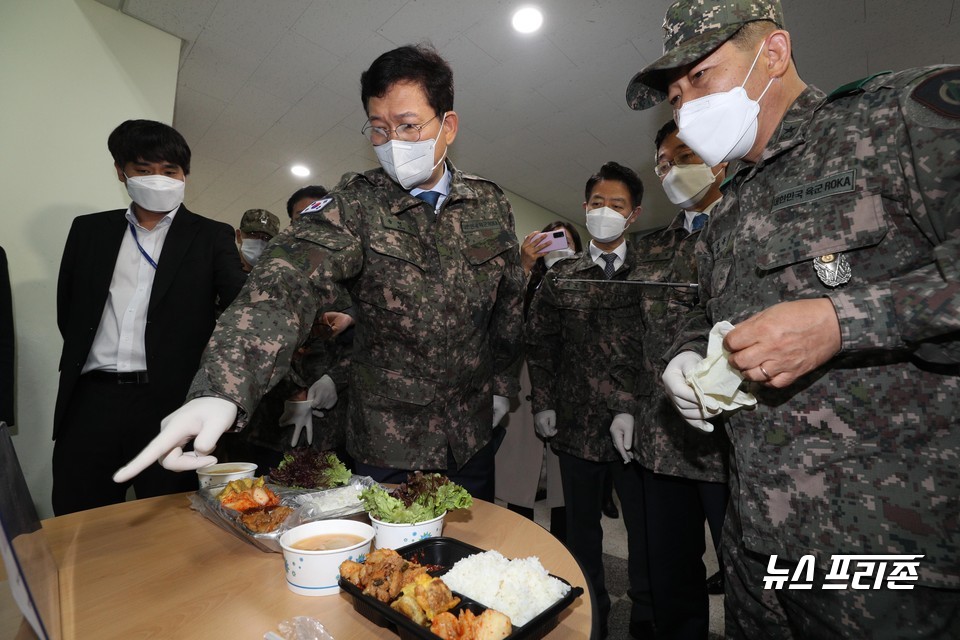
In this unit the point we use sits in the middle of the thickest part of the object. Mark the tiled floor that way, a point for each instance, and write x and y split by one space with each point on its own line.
615 550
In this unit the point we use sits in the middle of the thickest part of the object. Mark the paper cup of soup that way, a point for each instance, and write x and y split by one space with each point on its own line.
390 535
313 552
225 472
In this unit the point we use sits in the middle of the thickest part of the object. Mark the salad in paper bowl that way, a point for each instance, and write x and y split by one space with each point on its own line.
414 510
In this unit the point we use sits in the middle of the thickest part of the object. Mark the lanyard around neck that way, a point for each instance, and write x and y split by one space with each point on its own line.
143 251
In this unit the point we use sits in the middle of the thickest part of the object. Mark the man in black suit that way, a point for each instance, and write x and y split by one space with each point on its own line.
137 299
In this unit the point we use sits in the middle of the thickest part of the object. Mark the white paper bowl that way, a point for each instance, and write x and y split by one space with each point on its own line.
394 536
224 472
315 573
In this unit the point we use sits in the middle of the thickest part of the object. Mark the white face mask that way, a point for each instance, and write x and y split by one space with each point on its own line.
156 193
409 164
685 185
605 224
554 257
721 127
252 249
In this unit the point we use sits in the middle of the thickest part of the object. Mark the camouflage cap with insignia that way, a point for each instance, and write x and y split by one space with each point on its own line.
259 220
691 30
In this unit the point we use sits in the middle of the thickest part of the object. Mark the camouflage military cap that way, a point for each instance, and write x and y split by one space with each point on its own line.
259 221
691 30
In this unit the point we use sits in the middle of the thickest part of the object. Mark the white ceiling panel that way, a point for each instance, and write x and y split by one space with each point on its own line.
264 84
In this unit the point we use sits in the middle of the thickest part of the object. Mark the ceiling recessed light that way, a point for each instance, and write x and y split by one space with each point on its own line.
299 170
527 19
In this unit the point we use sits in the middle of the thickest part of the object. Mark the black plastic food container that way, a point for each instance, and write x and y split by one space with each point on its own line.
445 552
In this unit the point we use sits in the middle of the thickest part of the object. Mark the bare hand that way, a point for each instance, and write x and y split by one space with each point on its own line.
338 322
530 250
784 342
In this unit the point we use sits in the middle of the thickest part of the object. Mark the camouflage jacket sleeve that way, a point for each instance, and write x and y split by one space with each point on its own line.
919 309
542 340
506 323
251 348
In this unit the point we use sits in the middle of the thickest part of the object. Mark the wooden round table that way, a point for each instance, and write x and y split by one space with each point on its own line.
155 568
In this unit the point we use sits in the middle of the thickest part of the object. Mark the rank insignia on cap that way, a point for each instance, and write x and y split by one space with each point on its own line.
316 206
941 93
833 269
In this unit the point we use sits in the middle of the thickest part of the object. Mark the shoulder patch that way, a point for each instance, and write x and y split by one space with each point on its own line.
940 93
853 87
316 206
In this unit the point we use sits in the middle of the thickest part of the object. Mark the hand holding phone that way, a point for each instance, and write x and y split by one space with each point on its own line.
556 239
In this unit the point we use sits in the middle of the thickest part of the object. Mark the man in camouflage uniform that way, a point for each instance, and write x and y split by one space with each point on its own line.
584 357
834 252
436 288
257 228
684 470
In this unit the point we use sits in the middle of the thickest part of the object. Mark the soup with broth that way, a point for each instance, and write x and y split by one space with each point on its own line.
327 542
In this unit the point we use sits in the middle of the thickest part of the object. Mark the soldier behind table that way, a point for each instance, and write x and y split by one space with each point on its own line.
834 252
584 358
430 259
684 469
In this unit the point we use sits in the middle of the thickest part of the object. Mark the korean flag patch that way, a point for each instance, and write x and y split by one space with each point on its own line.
316 206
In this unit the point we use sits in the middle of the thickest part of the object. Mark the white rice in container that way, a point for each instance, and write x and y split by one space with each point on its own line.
520 588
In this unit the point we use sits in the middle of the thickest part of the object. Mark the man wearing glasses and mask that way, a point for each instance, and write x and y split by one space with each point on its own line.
431 261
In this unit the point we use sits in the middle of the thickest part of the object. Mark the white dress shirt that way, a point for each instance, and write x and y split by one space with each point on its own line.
690 215
120 341
620 251
442 187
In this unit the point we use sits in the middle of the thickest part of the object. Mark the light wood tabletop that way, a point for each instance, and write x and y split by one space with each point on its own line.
155 568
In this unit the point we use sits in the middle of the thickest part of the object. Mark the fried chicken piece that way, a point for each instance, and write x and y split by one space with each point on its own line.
408 606
350 571
434 596
385 573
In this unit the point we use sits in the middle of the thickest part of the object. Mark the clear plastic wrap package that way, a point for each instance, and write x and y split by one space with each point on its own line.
299 628
307 504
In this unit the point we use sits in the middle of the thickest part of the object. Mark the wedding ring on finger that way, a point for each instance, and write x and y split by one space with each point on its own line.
764 372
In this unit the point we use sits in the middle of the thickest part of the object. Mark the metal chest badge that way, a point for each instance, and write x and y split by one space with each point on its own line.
833 269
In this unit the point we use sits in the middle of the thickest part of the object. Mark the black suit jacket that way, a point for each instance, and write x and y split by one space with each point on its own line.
197 276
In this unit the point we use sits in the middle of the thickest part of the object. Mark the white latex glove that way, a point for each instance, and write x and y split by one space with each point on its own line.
322 393
682 395
298 413
202 420
621 430
545 423
501 407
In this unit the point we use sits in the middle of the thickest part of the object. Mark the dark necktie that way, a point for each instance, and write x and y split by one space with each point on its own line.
608 269
699 221
430 197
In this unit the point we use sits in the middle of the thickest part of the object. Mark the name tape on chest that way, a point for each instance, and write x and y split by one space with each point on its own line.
843 182
479 225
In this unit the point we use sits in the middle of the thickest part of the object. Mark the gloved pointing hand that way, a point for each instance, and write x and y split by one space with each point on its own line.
298 413
322 393
545 422
621 430
202 420
682 394
501 406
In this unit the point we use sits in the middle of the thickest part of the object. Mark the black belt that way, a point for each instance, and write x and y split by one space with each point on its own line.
119 377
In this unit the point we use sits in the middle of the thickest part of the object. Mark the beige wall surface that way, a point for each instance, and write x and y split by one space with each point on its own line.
70 71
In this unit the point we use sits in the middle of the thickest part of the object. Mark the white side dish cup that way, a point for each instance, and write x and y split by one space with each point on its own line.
393 536
315 573
224 472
